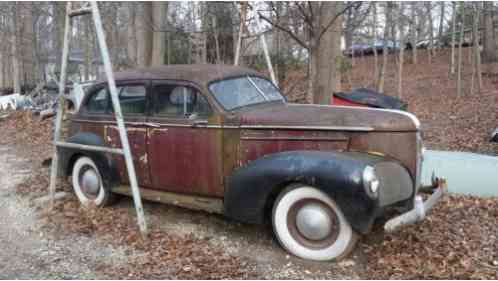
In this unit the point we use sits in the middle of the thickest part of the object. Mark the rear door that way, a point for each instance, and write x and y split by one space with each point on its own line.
185 147
133 97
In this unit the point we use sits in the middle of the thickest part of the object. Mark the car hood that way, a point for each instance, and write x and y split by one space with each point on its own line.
325 117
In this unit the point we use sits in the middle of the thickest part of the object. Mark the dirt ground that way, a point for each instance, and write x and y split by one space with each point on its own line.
28 251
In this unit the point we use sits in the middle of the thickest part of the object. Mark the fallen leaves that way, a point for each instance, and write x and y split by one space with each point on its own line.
458 240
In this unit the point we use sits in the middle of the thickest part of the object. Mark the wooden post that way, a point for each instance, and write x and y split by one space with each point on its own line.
267 54
243 10
54 169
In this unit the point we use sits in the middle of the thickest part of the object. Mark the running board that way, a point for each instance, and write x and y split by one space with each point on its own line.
210 205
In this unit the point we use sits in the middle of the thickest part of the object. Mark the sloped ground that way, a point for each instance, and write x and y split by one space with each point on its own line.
448 122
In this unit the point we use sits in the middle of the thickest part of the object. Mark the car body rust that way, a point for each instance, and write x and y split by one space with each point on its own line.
204 155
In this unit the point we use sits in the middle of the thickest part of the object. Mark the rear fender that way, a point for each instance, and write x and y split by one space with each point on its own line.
104 162
251 188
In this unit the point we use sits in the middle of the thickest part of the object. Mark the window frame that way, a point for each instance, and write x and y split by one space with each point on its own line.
109 109
155 100
284 100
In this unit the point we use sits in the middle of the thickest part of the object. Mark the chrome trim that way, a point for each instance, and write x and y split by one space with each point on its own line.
295 138
276 127
419 211
320 128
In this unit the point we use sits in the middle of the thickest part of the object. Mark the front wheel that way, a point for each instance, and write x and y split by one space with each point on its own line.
310 225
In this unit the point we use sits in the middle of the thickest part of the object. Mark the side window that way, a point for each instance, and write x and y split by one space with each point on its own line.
180 101
132 99
98 102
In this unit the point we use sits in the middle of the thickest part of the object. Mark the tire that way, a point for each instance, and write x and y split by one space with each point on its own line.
310 225
88 184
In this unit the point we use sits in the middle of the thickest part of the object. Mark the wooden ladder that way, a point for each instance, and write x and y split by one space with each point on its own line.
91 8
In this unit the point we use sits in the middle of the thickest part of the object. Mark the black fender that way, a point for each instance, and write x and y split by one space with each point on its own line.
105 163
252 188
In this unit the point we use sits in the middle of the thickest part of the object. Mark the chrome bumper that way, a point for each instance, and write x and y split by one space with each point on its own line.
420 208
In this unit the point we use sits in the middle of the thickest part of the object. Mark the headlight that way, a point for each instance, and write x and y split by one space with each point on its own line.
371 182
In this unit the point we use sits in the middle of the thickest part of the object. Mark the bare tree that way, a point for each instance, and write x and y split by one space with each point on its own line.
374 31
401 31
413 32
323 26
144 33
453 38
430 48
159 21
442 6
385 50
460 43
131 42
489 38
475 48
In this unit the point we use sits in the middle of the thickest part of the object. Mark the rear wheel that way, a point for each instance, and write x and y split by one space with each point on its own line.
88 184
310 225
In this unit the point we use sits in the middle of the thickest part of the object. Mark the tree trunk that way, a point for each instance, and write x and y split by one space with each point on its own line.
60 21
401 51
374 28
388 24
489 38
131 45
243 13
453 38
144 34
475 45
15 49
430 49
460 43
441 22
413 30
88 48
327 79
159 20
27 43
216 40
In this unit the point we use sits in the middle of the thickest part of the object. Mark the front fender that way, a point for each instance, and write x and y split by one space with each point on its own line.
104 162
252 187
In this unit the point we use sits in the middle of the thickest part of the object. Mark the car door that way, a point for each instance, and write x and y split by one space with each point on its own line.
134 107
185 148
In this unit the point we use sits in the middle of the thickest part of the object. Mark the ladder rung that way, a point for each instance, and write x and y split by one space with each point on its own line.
80 12
89 147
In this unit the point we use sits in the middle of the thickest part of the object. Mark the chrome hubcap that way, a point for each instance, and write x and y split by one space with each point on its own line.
314 222
90 182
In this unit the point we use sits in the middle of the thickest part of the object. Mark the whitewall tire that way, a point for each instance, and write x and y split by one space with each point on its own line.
310 225
88 184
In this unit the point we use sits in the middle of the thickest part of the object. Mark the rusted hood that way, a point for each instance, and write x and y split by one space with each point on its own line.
328 117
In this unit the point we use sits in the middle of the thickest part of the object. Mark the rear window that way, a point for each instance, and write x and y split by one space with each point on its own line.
98 102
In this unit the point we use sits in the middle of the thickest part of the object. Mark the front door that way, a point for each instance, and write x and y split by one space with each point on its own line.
133 100
185 153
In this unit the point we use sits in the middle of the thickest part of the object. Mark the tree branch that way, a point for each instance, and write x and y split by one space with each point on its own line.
286 30
337 15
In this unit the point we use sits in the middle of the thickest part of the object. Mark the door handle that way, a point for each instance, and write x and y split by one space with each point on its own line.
153 125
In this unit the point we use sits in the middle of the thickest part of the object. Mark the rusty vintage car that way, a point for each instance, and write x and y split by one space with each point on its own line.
224 139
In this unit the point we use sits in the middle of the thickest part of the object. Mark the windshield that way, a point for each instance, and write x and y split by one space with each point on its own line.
243 91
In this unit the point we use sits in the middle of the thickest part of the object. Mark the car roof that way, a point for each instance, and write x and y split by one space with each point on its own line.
201 74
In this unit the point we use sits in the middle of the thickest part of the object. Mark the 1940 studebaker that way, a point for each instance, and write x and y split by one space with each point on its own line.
224 139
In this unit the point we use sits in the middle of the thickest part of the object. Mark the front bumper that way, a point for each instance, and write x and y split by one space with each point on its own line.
421 208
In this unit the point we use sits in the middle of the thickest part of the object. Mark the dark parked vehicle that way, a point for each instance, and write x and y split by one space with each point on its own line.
223 139
369 49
